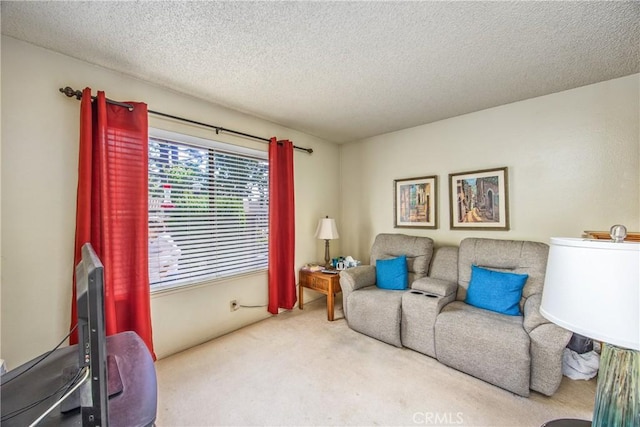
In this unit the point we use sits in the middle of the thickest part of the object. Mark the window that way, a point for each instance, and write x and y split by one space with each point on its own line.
208 210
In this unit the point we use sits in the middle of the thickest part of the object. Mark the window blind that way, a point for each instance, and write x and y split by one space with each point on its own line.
208 213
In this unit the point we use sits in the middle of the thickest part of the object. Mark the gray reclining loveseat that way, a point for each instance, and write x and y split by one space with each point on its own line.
515 352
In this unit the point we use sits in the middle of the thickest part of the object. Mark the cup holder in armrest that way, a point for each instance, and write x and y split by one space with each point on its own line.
423 293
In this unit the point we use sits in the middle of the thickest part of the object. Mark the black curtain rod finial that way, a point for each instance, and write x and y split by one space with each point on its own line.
70 92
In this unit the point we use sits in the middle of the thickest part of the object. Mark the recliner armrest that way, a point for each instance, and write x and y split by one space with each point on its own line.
532 316
358 277
439 287
548 341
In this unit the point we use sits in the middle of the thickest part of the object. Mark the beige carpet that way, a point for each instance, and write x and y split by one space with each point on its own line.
298 369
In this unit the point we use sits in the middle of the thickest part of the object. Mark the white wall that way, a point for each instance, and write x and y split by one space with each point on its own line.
38 191
573 160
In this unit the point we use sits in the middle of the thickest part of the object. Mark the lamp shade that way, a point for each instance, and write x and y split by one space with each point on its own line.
592 288
327 229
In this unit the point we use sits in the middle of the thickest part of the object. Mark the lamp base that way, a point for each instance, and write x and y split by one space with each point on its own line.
327 258
618 390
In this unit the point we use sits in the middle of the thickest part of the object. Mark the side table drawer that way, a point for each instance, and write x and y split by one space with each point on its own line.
314 282
319 283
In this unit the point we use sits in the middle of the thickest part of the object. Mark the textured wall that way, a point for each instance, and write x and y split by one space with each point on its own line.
573 161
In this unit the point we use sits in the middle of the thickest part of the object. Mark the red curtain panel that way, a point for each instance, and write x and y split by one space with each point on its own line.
112 209
282 286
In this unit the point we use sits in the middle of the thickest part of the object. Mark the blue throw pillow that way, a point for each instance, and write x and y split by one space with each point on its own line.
495 290
392 273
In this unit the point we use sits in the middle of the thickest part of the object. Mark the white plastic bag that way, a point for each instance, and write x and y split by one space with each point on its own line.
580 366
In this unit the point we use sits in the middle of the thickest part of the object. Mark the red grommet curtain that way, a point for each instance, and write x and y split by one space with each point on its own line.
112 210
282 281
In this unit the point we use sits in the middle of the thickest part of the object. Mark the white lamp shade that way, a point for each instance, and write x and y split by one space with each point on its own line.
592 288
327 229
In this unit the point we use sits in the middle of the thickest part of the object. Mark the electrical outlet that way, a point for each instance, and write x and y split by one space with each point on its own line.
233 305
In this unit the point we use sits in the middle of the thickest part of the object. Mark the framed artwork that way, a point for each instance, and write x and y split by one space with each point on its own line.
415 202
479 200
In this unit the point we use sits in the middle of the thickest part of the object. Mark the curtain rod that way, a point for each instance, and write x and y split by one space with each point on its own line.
78 95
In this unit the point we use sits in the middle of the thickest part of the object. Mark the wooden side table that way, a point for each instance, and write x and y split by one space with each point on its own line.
328 284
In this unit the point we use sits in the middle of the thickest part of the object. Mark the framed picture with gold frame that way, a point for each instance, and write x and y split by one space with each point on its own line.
415 202
479 200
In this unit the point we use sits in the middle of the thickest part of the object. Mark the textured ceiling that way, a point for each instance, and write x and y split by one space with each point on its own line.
345 70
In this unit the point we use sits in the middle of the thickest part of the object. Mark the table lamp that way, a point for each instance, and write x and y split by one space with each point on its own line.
327 230
592 288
